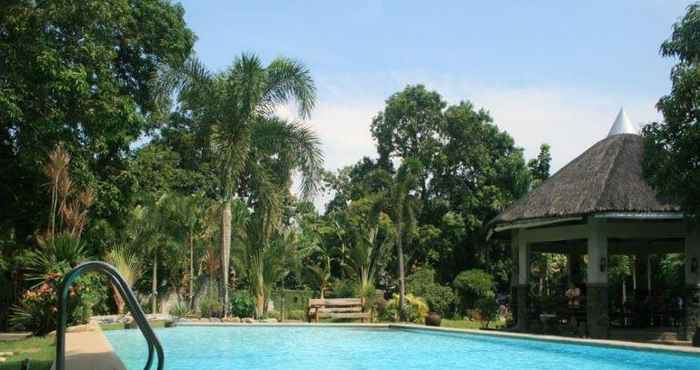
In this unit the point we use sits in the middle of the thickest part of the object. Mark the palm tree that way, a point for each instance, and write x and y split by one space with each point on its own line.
261 259
401 208
127 263
151 227
266 254
189 212
365 222
322 273
228 105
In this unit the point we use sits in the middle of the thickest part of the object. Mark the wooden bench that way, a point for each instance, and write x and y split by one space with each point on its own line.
338 308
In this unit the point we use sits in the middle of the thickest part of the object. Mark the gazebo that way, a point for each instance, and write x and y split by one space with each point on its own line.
596 206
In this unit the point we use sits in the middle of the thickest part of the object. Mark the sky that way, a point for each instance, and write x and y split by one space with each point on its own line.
553 72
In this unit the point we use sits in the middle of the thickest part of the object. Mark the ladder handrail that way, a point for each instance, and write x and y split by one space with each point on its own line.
126 293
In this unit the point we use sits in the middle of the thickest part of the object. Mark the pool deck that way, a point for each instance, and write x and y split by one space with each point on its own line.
89 349
547 338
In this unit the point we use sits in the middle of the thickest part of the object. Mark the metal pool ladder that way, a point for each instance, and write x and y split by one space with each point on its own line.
126 293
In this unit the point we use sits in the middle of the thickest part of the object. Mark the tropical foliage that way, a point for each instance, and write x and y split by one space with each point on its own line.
117 143
672 154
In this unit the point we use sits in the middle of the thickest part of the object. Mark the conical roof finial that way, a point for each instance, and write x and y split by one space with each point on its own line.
622 125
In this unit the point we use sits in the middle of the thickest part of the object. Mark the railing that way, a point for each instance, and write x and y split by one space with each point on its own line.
127 294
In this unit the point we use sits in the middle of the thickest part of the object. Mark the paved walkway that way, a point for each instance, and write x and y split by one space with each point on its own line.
90 350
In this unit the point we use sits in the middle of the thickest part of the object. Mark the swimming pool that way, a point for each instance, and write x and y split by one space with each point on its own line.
345 348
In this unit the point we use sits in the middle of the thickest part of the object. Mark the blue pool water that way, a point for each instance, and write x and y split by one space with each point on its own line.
319 348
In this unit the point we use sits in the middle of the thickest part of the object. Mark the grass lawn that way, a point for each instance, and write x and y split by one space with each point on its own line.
466 324
39 350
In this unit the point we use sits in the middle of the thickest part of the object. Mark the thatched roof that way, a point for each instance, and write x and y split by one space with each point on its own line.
605 178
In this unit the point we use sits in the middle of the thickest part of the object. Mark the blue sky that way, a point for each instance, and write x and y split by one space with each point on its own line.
548 71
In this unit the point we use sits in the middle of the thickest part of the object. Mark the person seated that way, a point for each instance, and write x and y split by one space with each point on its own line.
574 296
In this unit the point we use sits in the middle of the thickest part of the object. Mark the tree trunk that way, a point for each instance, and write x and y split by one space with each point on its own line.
259 305
154 285
402 276
191 272
225 251
541 284
118 300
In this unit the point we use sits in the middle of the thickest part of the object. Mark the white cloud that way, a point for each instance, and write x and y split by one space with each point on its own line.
343 129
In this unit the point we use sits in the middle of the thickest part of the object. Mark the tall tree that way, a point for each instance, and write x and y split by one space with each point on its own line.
81 75
672 154
409 127
189 214
401 206
228 105
539 167
277 149
150 225
478 172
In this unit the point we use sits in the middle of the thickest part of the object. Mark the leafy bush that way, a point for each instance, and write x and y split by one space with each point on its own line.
93 295
416 309
210 307
272 314
472 285
488 309
343 289
38 307
296 315
36 310
181 309
242 304
422 283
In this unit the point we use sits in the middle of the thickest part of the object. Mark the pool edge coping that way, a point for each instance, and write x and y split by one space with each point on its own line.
609 343
284 324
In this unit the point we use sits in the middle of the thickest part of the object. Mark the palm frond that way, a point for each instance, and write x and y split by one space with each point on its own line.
289 79
123 258
296 146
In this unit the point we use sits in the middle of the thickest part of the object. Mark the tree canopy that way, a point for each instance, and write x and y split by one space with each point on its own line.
81 74
672 153
180 172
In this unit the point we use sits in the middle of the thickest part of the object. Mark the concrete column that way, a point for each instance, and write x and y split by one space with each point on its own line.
522 287
573 264
514 275
642 265
692 287
597 282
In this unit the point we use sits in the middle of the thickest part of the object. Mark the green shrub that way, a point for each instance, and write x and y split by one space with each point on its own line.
296 315
488 309
93 294
343 289
181 309
416 309
38 307
471 285
36 310
422 283
242 304
210 307
272 314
